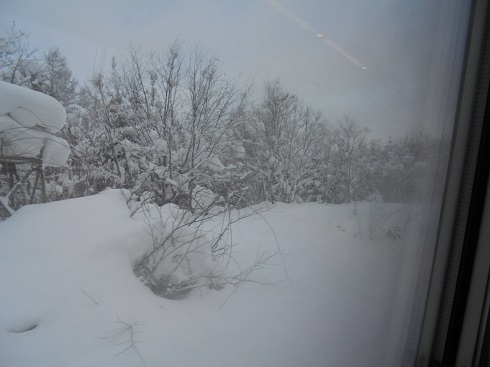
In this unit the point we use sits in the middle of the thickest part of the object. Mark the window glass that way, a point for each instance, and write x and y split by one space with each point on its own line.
222 183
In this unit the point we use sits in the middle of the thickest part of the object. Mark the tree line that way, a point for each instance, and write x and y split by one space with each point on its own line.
172 127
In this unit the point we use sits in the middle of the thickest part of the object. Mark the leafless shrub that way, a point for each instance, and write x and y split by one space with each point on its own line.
191 249
379 220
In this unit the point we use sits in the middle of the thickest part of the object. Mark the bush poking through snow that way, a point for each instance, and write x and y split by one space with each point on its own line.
181 256
190 249
378 220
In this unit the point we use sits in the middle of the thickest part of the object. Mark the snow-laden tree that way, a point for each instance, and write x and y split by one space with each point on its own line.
56 78
214 105
174 125
349 146
162 123
322 188
406 163
281 137
19 63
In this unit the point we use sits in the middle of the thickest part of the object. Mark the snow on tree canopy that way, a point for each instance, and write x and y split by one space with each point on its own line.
28 120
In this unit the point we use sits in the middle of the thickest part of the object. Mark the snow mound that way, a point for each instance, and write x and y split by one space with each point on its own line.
28 120
30 108
56 152
181 255
20 141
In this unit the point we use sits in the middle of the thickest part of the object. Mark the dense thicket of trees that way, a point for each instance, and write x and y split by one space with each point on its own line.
173 128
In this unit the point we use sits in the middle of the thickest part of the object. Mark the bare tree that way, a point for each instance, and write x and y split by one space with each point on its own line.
350 140
283 137
19 63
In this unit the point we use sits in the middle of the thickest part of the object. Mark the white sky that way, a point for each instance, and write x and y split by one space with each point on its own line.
406 46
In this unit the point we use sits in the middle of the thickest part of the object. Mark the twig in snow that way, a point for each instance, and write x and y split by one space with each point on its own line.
88 295
131 342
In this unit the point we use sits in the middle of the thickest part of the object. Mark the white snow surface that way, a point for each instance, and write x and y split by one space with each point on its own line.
28 120
30 108
56 152
68 293
18 140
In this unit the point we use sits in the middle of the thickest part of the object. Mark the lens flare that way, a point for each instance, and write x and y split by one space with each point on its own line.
308 27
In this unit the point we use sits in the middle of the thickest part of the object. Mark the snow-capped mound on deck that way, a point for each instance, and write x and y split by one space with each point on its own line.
30 108
28 120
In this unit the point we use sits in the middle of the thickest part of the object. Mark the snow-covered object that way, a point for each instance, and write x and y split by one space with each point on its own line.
214 164
181 254
28 120
56 152
185 256
239 151
203 198
30 108
160 145
20 141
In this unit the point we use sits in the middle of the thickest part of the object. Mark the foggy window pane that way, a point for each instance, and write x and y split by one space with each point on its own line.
222 183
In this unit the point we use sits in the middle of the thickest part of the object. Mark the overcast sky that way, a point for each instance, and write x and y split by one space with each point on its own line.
386 63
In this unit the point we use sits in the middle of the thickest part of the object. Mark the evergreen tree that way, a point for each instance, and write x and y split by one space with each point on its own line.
56 79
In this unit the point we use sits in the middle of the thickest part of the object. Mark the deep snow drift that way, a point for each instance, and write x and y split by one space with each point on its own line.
68 296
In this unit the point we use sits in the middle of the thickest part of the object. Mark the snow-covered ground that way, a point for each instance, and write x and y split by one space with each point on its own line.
68 296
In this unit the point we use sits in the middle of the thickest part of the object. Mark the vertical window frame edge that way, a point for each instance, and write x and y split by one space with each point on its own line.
454 181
